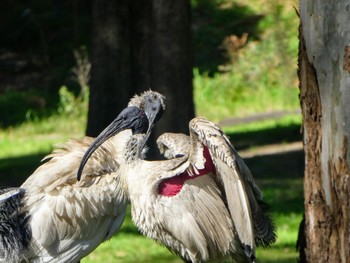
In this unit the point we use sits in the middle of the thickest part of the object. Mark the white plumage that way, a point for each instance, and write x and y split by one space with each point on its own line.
65 214
203 205
53 217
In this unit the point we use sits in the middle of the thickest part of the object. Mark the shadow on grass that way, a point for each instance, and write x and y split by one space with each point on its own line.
275 135
15 170
280 176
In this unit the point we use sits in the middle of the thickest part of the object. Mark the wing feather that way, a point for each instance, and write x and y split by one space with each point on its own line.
244 198
203 224
203 132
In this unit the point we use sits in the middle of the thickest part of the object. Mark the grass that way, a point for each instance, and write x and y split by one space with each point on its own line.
39 137
285 196
256 75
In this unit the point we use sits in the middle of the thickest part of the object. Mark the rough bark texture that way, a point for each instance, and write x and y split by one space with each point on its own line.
139 46
325 98
314 195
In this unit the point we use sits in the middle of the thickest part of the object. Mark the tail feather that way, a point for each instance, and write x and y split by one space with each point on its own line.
14 227
264 226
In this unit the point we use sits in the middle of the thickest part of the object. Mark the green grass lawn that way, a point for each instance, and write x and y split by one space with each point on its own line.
279 175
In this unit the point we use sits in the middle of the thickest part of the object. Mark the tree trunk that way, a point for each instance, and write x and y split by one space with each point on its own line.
172 62
139 46
110 67
324 66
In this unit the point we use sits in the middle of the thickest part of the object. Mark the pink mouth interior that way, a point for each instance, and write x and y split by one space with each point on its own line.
173 185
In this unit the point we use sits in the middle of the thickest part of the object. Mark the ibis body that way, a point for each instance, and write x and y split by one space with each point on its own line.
202 203
53 216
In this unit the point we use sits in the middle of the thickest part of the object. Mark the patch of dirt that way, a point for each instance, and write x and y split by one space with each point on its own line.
271 149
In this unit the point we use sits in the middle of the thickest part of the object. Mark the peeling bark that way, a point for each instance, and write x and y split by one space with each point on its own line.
317 215
340 238
325 97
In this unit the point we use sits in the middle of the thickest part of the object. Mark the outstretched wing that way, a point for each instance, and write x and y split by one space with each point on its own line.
244 198
243 195
205 134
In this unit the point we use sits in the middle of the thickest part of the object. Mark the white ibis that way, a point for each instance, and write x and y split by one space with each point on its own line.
53 217
203 204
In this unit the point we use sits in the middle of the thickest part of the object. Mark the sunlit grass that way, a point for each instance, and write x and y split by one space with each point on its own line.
34 137
288 120
130 248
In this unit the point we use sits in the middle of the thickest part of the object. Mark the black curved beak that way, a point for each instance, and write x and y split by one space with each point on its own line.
130 118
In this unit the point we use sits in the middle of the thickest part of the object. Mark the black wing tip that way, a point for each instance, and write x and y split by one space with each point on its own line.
267 234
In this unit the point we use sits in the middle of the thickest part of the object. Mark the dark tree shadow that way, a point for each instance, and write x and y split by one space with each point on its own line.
280 176
276 173
15 170
276 135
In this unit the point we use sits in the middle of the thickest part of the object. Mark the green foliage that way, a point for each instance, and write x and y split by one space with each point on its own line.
259 73
240 94
72 105
67 103
213 20
17 107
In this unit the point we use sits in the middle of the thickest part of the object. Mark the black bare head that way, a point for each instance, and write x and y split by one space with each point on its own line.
152 103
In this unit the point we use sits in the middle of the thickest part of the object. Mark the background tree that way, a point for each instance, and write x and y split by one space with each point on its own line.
324 67
110 63
135 47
